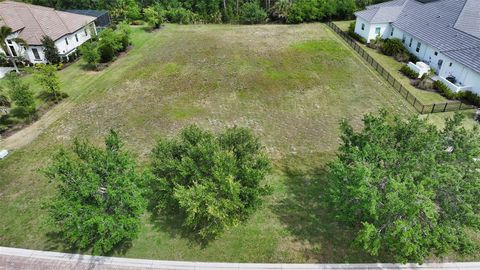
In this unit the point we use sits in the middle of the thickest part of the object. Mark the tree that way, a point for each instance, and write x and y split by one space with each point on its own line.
46 76
252 13
212 182
98 200
109 45
152 17
90 54
50 50
21 95
408 189
281 10
6 32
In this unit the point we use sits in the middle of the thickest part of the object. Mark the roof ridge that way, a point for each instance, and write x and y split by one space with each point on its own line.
462 49
61 19
35 18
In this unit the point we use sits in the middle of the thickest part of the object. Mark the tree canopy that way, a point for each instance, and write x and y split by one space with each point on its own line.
98 200
212 182
408 189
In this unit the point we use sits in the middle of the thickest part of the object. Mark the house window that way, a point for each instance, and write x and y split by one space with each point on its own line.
85 30
391 33
436 53
410 44
66 41
418 46
36 54
451 64
378 30
404 38
9 41
12 49
76 37
363 26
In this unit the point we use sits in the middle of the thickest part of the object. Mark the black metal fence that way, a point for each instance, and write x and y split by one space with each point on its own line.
409 97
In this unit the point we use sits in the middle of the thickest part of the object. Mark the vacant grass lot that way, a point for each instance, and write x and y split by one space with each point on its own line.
291 84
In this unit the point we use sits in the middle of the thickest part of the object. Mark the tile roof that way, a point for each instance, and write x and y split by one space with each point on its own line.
34 22
451 26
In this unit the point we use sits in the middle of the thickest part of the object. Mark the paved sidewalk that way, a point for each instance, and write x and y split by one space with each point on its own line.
13 258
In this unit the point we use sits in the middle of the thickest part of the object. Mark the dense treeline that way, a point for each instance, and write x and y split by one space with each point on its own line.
221 11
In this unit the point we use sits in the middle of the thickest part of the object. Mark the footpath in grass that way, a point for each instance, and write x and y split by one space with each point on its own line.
291 84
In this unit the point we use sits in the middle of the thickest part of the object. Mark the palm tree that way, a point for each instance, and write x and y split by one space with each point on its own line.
5 32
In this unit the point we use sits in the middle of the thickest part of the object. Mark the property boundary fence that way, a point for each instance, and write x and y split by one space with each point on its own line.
410 98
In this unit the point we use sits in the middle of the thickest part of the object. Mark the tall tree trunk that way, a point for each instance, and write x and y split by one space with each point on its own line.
14 65
238 4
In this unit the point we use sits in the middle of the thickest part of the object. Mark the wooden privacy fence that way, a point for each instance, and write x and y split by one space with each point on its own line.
417 104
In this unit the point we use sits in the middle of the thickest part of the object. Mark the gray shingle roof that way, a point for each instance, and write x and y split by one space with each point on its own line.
451 26
469 19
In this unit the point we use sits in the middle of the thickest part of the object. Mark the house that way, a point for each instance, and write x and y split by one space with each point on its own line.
31 23
445 34
102 20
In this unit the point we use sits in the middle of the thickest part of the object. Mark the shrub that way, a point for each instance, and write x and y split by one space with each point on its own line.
252 13
212 182
90 54
444 90
21 95
137 22
402 57
392 47
181 16
123 32
412 74
413 58
50 50
107 53
47 77
152 17
469 97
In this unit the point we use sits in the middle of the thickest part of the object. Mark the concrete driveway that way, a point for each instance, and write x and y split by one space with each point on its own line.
4 71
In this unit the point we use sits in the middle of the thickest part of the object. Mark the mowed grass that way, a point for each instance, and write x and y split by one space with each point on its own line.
291 84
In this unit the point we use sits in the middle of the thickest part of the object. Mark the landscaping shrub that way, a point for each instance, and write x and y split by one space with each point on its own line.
444 90
211 182
137 22
252 13
409 72
123 32
402 57
413 58
469 97
47 77
392 47
21 96
90 54
281 10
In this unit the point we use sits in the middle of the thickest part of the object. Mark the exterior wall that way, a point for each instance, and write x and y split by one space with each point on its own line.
369 31
61 44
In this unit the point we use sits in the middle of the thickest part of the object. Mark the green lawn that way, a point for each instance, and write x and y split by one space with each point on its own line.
292 84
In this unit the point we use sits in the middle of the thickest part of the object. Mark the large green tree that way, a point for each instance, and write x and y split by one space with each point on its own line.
211 181
47 77
98 200
408 189
50 50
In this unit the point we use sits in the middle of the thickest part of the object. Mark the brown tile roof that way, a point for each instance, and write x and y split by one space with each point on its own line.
36 21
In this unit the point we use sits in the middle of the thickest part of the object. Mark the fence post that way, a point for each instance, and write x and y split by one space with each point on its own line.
414 101
423 107
445 109
433 108
406 97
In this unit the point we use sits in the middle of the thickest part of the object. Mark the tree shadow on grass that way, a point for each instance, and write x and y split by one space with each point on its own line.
172 223
310 221
56 242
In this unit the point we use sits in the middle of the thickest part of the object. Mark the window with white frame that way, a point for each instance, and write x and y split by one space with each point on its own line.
419 45
378 30
36 54
363 26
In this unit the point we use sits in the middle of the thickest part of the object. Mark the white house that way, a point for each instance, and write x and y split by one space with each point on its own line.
445 34
31 23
